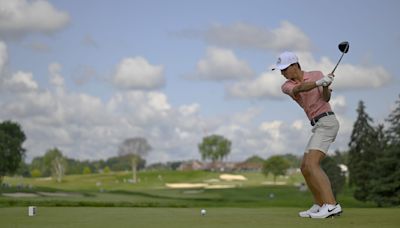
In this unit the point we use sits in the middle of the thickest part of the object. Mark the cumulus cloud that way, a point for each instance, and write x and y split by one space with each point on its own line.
187 110
21 17
248 36
348 76
359 77
21 81
138 74
221 64
86 127
3 57
56 78
339 104
18 82
268 85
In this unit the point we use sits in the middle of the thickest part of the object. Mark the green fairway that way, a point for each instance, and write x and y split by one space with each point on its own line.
190 217
110 190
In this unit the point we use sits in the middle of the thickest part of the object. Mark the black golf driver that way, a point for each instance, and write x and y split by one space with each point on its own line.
344 48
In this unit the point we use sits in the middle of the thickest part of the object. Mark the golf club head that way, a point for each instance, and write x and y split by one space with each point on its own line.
344 46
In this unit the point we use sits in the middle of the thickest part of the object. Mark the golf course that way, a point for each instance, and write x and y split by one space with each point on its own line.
175 199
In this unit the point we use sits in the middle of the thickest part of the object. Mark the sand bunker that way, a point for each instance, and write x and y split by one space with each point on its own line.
231 177
210 183
274 183
198 185
186 185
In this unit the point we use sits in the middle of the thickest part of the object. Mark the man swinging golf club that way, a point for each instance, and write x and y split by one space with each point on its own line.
311 91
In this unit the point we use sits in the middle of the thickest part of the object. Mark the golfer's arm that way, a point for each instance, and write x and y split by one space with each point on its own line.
303 87
326 93
307 86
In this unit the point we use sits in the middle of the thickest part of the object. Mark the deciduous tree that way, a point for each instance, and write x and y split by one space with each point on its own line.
276 165
11 151
134 148
215 148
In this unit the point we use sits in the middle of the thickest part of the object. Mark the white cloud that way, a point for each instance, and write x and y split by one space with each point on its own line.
272 128
338 104
244 35
268 85
298 124
187 110
348 76
21 17
221 64
56 78
21 81
3 57
85 127
360 77
142 107
138 73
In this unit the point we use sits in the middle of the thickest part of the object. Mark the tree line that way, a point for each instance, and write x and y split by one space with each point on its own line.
54 164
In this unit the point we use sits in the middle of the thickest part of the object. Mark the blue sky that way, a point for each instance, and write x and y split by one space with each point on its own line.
83 76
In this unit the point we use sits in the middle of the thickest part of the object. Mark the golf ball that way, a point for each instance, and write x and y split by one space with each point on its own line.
203 212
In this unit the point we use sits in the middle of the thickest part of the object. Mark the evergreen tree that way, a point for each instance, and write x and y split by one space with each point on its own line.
362 154
386 185
393 131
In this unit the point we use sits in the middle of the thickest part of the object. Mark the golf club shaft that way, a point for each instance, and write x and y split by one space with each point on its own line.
337 63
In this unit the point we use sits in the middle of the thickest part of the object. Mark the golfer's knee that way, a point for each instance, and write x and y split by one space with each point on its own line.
307 169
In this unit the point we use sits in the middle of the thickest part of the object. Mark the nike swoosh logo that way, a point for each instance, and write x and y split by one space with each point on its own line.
332 209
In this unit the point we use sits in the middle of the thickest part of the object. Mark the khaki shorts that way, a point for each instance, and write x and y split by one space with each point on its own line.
324 133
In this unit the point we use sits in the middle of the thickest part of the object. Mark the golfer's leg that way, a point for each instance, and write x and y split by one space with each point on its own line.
313 189
317 177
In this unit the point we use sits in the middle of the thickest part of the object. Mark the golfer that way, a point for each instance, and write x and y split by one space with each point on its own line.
311 91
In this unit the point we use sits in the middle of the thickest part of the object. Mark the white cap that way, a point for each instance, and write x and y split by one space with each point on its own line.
285 59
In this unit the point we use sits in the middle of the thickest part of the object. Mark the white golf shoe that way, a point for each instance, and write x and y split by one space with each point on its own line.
327 210
313 209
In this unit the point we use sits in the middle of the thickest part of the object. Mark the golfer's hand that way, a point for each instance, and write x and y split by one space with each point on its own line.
325 81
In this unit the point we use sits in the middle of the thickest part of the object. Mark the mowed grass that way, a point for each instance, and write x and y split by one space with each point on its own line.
147 180
113 190
190 217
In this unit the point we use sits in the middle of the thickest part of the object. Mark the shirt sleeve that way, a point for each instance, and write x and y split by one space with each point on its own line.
287 88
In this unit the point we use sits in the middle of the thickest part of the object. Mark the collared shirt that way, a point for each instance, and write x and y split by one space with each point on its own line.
311 101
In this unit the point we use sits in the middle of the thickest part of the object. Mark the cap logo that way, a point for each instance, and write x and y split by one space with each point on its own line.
279 60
